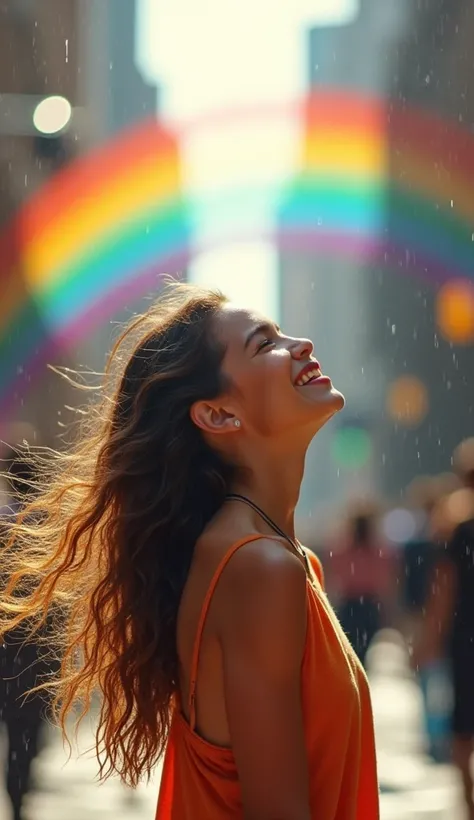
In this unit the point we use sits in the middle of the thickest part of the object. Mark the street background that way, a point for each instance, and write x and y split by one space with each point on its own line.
413 787
315 161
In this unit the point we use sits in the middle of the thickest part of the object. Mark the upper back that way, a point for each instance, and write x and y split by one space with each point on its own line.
226 559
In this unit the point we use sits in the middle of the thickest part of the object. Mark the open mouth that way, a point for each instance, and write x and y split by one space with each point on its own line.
310 373
308 377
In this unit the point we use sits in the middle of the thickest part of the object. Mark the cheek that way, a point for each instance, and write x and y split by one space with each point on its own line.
269 395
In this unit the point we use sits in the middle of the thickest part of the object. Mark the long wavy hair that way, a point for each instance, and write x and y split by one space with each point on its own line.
107 541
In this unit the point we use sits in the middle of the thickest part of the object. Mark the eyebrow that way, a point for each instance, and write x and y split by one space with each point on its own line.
264 327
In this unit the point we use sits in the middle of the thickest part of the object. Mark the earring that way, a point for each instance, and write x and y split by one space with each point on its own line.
236 422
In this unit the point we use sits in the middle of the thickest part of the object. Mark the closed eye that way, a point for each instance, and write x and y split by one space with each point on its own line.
264 343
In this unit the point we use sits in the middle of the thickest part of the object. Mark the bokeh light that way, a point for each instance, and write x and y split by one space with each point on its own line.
407 401
460 506
52 114
399 525
351 447
455 311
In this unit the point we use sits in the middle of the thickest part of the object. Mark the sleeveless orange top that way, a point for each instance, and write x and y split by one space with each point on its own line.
200 780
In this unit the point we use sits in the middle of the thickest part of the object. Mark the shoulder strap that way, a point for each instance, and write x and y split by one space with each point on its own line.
202 619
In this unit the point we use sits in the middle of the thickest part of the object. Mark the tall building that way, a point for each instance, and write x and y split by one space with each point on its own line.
116 97
116 93
324 288
431 76
370 308
38 57
84 52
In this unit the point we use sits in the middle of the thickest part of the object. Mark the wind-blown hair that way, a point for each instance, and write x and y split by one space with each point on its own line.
107 541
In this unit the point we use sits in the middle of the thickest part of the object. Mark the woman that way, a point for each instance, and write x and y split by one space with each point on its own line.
168 536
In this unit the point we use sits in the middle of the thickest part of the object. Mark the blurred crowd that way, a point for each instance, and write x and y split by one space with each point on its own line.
410 568
407 567
22 665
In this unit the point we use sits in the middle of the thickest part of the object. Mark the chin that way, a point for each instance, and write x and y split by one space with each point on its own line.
333 403
338 399
323 407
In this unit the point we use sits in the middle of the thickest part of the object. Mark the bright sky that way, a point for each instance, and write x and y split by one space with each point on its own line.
216 55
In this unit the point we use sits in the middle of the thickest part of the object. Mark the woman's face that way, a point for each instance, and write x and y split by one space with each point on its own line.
277 384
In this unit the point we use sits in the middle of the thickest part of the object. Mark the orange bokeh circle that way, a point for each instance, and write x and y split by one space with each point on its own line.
455 311
407 401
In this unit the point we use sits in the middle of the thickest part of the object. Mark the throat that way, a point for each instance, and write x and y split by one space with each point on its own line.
276 523
273 481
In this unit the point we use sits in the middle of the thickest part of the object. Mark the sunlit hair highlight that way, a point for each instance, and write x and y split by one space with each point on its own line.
102 552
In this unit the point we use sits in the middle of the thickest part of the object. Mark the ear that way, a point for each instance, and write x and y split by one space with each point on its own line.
213 418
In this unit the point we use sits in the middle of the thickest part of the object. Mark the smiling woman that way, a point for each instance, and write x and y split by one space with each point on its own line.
167 540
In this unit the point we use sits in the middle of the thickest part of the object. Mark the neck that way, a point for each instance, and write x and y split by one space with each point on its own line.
275 487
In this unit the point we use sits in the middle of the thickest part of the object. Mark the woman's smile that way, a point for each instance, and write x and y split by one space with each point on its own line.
310 375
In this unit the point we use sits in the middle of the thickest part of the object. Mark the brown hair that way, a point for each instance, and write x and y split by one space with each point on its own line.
114 529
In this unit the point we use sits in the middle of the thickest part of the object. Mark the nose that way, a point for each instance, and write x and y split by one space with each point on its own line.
301 348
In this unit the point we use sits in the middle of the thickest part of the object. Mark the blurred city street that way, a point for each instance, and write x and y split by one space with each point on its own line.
412 787
313 160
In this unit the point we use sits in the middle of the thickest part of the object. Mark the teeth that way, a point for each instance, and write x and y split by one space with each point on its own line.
306 377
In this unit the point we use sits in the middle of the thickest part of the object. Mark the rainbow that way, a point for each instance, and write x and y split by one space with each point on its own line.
391 184
95 237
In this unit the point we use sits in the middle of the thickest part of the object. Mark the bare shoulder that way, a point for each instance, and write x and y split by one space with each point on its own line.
263 583
262 609
265 560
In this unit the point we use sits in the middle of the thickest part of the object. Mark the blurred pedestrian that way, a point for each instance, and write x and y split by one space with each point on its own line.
449 623
168 535
362 577
421 554
21 667
418 556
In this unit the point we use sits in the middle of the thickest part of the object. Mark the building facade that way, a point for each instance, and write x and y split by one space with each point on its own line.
38 57
432 69
372 313
84 52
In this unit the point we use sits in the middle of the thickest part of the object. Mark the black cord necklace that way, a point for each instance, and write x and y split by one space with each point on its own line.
297 547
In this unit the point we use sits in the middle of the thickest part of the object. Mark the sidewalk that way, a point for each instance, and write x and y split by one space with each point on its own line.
412 787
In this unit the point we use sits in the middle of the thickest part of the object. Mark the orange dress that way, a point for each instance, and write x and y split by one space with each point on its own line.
200 780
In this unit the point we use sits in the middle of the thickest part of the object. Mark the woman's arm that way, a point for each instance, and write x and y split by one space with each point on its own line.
263 630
